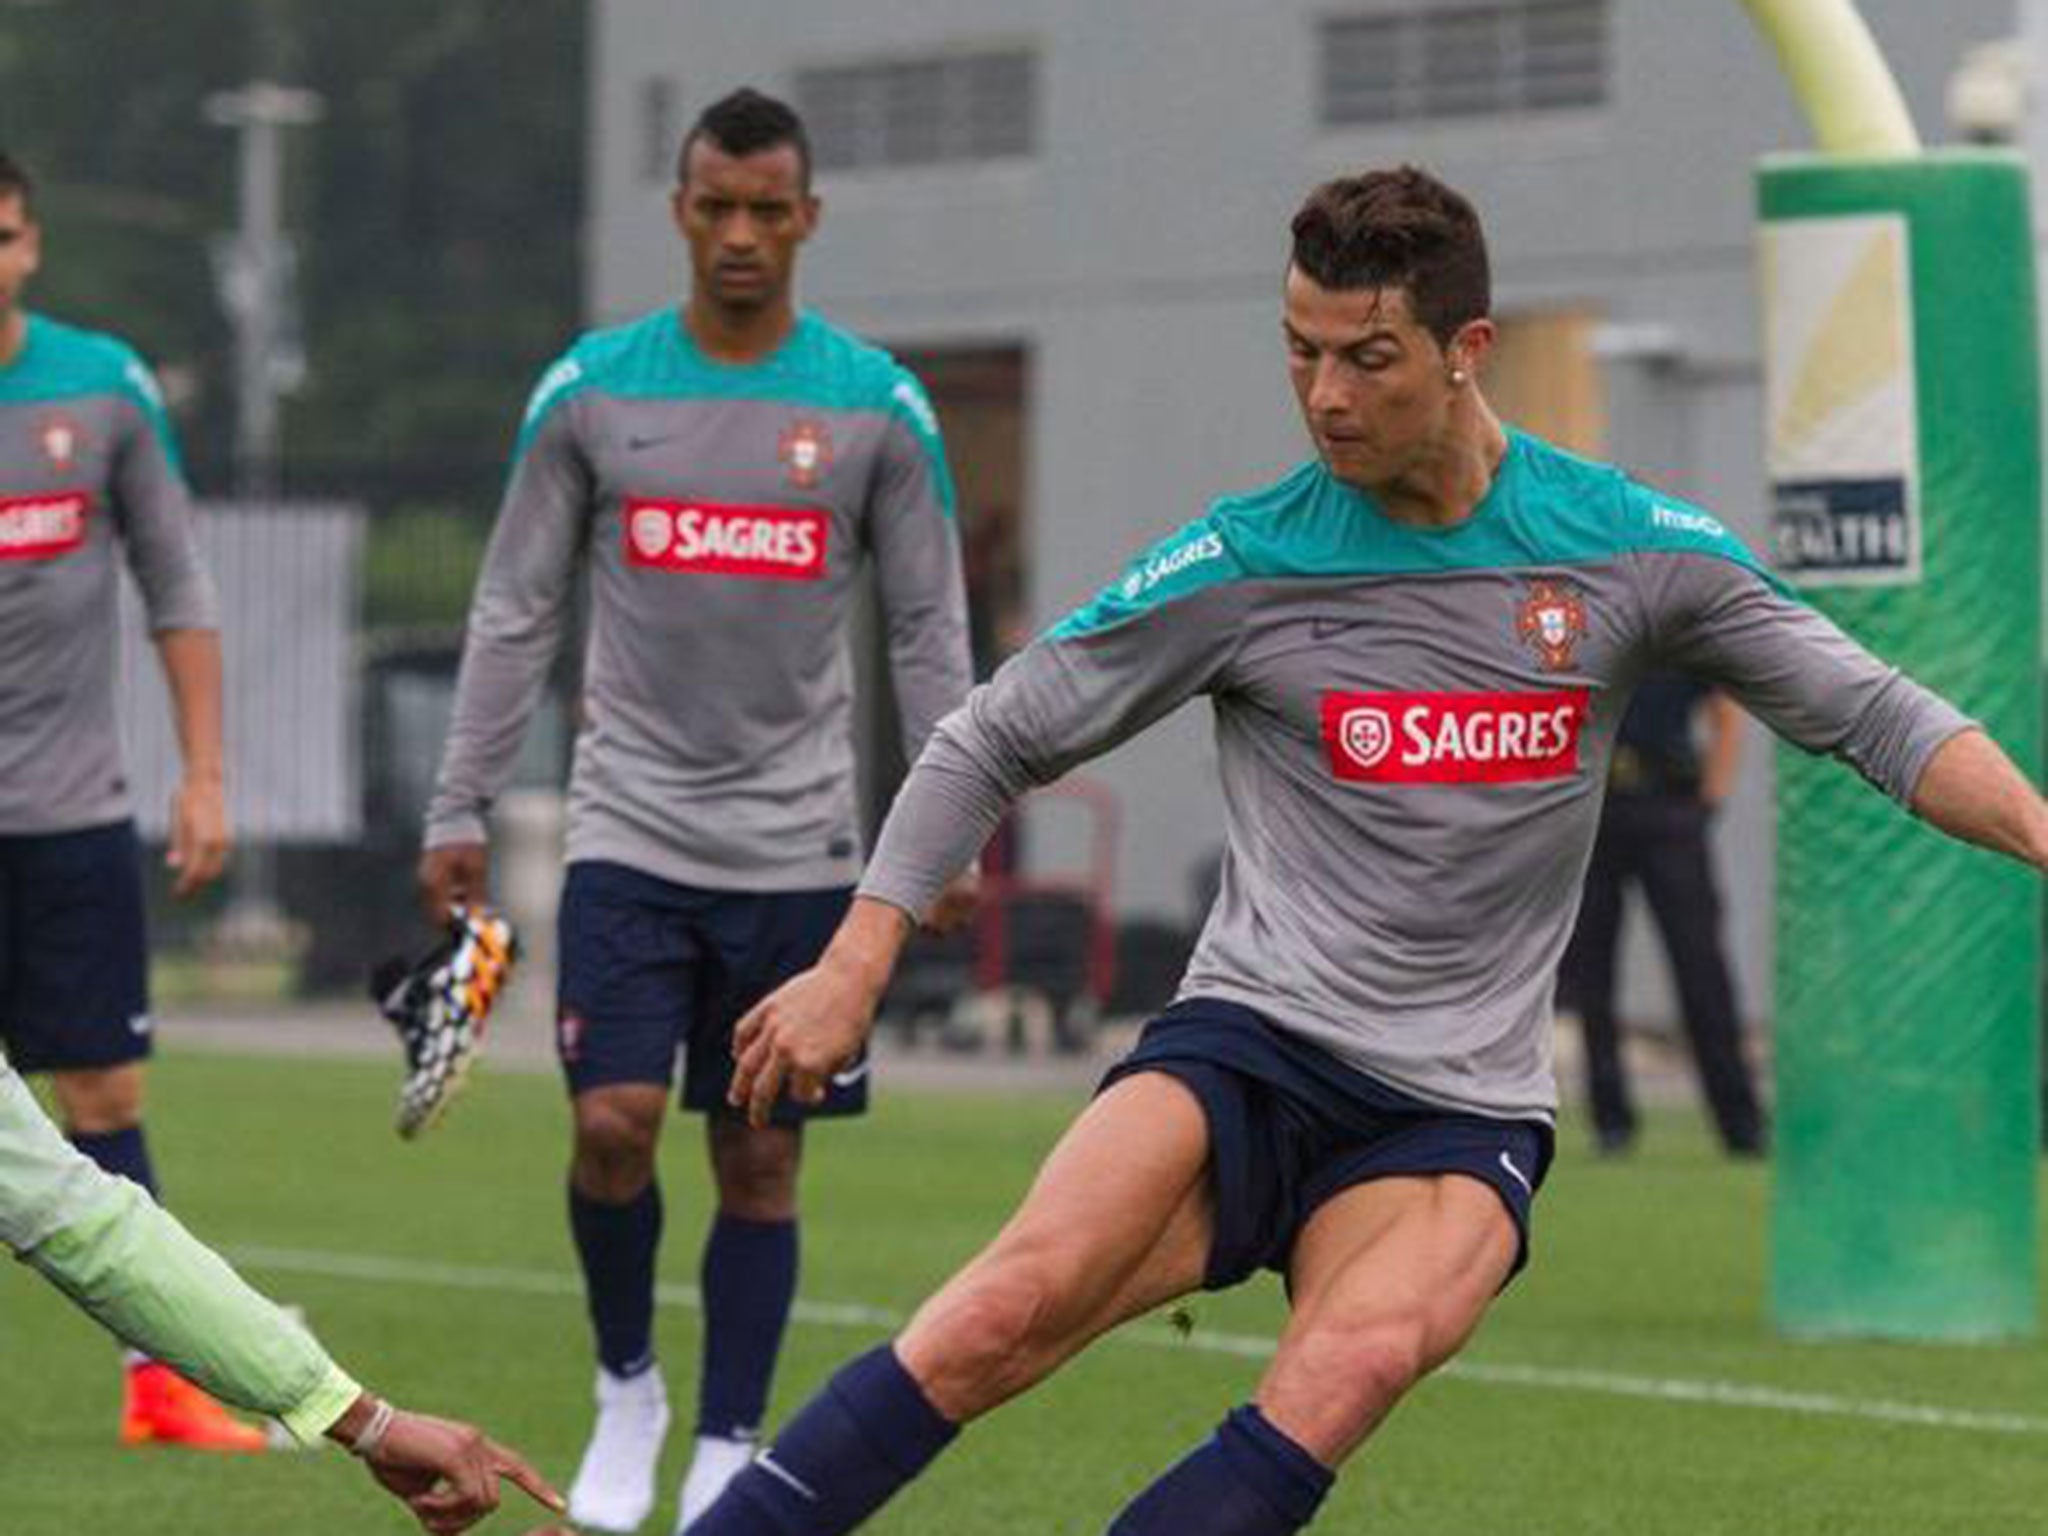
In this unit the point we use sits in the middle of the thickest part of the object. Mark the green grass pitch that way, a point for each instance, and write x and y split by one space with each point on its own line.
1628 1384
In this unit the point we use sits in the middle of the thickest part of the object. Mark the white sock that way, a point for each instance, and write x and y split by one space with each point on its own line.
614 1487
717 1462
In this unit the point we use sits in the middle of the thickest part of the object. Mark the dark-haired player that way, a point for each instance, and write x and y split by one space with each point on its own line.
90 481
1417 647
723 471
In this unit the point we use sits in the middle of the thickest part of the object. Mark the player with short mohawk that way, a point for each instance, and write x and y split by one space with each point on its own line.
724 473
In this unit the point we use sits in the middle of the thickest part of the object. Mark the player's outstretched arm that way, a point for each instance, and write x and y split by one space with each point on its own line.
812 1025
1973 791
446 1472
127 1262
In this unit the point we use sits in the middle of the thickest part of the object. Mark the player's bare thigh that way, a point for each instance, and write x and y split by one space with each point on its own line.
1388 1280
1118 1221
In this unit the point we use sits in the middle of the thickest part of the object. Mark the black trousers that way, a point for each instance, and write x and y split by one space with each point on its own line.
1660 843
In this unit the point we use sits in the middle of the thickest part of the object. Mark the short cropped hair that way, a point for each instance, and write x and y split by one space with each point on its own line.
748 122
15 181
1399 228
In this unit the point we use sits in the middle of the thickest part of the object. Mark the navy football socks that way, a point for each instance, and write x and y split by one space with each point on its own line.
616 1244
1247 1479
123 1152
748 1282
870 1431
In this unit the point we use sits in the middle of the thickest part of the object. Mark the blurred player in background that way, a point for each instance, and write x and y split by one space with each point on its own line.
1418 647
723 470
120 1257
1664 785
89 478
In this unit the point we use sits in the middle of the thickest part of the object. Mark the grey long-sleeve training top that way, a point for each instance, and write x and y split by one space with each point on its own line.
1413 728
723 512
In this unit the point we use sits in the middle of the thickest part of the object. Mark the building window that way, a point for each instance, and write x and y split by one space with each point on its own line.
921 111
1417 62
658 129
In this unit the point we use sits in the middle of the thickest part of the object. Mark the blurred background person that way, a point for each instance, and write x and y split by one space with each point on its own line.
89 481
1674 764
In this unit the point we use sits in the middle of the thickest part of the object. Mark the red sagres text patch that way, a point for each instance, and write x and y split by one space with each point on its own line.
779 543
40 527
1454 738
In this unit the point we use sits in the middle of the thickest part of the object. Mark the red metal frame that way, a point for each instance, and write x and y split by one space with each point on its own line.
1094 887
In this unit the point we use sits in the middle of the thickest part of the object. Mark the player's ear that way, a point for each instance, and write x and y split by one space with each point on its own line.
678 207
814 210
1469 348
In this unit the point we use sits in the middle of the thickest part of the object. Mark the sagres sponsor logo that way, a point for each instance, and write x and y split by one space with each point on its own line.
778 543
38 527
1172 562
1454 738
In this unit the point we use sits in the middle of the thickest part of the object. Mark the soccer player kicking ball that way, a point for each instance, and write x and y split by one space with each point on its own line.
724 470
89 480
122 1258
1418 647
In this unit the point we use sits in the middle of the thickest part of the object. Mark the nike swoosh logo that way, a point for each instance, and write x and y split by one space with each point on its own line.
635 442
850 1076
767 1463
1322 629
1519 1177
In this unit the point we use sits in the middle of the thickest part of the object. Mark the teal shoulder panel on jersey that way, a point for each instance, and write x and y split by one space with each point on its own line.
67 362
818 365
837 370
1655 522
1192 559
1545 507
620 352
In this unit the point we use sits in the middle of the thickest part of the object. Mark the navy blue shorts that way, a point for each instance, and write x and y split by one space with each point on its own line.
1290 1126
650 969
74 949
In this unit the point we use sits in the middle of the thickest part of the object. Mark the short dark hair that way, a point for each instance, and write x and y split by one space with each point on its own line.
15 181
747 122
1398 229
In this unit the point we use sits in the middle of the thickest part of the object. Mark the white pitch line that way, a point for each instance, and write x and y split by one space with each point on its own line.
1718 1394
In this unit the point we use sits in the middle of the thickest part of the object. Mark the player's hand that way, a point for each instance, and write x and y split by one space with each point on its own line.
454 872
446 1472
199 833
798 1035
956 904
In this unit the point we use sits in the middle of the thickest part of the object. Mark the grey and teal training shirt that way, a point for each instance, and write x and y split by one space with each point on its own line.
1413 729
724 513
87 464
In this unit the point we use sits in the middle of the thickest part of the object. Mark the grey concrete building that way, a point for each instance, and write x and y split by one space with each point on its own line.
1071 216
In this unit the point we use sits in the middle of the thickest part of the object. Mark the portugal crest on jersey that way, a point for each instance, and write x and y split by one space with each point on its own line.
1552 622
805 449
58 436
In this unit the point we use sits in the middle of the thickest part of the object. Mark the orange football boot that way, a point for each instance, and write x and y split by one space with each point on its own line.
163 1408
